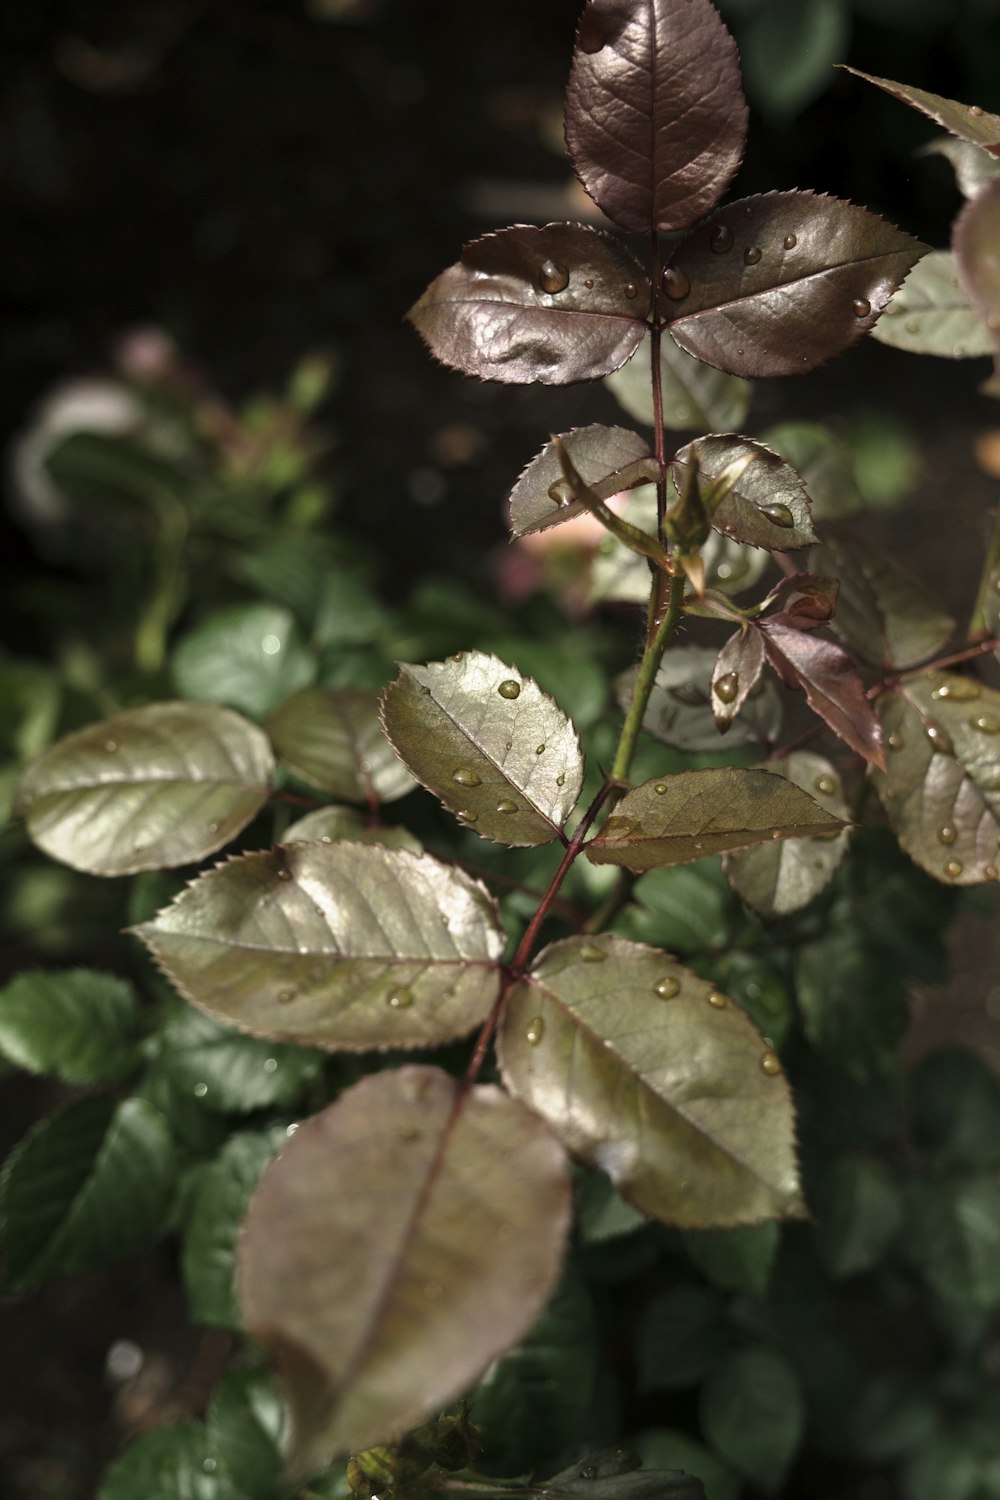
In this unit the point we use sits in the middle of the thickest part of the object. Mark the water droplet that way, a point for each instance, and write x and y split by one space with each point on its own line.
425 689
947 834
825 785
592 954
958 690
953 869
718 999
770 1065
213 827
751 255
505 805
209 1465
912 326
270 1065
561 779
284 874
778 514
509 688
539 749
400 999
942 744
466 777
535 1031
285 997
271 645
895 741
727 687
552 277
561 492
200 1090
790 241
977 110
861 307
675 284
991 872
466 815
986 723
111 746
631 290
721 239
589 283
660 788
667 988
508 744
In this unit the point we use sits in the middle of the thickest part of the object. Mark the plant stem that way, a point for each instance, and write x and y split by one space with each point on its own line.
648 668
655 337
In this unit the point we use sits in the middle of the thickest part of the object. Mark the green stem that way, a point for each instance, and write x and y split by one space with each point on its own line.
648 668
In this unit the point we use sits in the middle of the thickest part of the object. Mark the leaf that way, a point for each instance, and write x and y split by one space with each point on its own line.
953 1234
217 1206
955 1104
339 945
250 657
640 1073
539 499
853 1002
781 282
735 674
967 121
244 1424
753 1412
654 134
974 237
885 614
175 1462
705 812
777 879
667 1447
823 462
788 49
424 1256
684 909
332 738
831 684
765 506
517 307
930 314
82 1026
858 1211
611 1475
229 1072
86 1186
696 397
329 824
147 789
973 166
601 1213
738 1260
941 787
682 1334
679 712
487 741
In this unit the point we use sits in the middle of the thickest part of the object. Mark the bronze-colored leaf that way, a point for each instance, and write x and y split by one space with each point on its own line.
332 738
608 459
682 818
735 674
680 711
554 305
782 282
340 945
941 786
655 115
967 121
976 238
766 505
651 1074
400 1242
831 684
696 397
885 614
803 600
486 740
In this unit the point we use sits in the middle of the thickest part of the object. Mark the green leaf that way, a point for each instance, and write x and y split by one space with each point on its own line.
738 1260
779 878
80 1025
332 738
666 1448
608 460
696 397
823 462
974 239
973 166
941 786
967 121
960 1461
683 1333
685 909
339 945
390 1253
858 1211
244 1424
854 1004
763 501
705 812
499 753
250 657
170 1463
328 825
952 1232
955 1104
215 1214
752 1411
87 1186
885 614
228 1072
647 1072
930 314
601 1213
788 51
680 706
147 789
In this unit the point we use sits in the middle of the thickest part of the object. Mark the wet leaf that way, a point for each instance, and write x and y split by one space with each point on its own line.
327 825
600 454
517 307
684 817
830 682
680 709
486 740
332 738
975 238
779 878
753 1413
645 1071
147 789
931 314
885 614
782 282
967 121
941 787
696 397
824 464
383 1296
82 1026
334 945
766 506
653 134
973 166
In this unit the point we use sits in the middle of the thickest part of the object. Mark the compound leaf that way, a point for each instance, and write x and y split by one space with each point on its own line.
753 1412
696 397
334 945
80 1025
608 459
831 684
885 614
931 314
390 1253
766 506
147 789
967 121
332 738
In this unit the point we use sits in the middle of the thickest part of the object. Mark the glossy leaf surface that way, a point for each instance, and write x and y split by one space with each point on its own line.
824 463
931 314
598 453
681 818
765 506
973 165
680 714
384 1296
336 945
147 789
332 738
328 825
885 614
975 238
782 282
735 673
644 1075
82 1026
967 121
490 313
485 739
654 134
696 396
831 684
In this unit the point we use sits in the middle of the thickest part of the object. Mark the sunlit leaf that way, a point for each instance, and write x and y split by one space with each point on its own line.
831 684
332 738
973 166
781 282
975 237
517 307
735 673
486 740
653 134
753 1413
684 817
80 1025
941 787
696 397
540 498
647 1072
931 314
147 789
680 706
765 506
885 614
335 945
967 121
401 1241
327 825
779 878
823 462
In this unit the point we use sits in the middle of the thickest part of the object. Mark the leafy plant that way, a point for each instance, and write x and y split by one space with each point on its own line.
422 1236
